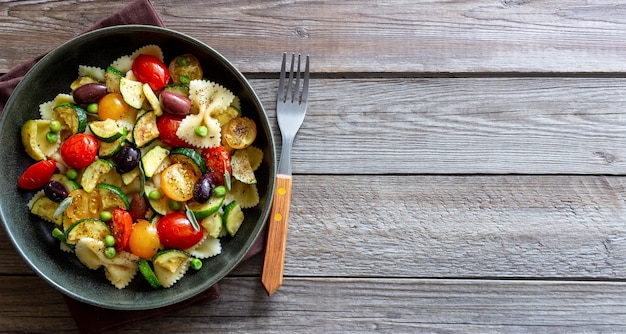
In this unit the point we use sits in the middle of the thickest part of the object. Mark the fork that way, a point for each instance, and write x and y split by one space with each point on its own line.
291 105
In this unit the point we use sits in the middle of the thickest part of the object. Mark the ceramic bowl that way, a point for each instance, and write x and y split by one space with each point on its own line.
32 237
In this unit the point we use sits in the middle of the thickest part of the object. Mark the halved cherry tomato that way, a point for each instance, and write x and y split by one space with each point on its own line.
79 150
144 239
176 231
239 133
112 106
37 175
217 161
151 70
121 226
168 125
177 182
84 205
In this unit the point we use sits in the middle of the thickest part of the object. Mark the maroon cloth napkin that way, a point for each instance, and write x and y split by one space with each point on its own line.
89 318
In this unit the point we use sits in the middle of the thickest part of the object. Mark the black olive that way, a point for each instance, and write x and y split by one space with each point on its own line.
126 159
90 93
55 191
203 189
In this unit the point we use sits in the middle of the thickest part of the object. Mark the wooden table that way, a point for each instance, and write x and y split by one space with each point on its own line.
460 168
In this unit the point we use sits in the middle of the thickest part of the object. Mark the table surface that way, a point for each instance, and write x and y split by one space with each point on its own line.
460 167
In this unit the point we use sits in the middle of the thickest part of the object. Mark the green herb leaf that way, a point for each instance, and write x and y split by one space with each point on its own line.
192 218
227 182
62 206
142 180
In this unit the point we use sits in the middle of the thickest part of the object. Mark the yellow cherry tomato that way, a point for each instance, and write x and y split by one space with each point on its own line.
239 133
112 106
84 205
177 182
144 239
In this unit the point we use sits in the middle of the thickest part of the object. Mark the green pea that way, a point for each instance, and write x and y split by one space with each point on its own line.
219 191
196 264
109 241
92 108
201 131
52 137
154 195
182 61
105 216
174 205
71 173
110 252
55 126
185 79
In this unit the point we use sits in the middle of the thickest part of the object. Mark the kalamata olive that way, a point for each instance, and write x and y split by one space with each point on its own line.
203 189
55 191
138 207
90 93
126 159
174 104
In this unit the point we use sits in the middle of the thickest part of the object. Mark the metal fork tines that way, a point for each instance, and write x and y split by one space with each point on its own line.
290 109
291 105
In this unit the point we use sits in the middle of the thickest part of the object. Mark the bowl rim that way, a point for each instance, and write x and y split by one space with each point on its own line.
265 211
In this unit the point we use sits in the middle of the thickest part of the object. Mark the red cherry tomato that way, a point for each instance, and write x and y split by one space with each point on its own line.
37 175
176 231
168 125
217 161
121 227
151 70
79 150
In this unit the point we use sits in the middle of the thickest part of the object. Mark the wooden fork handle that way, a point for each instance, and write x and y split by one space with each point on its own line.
273 264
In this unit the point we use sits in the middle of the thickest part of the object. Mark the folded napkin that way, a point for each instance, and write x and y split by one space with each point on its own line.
92 319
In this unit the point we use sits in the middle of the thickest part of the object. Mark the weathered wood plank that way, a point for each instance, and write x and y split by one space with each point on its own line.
460 126
359 36
456 226
355 305
448 226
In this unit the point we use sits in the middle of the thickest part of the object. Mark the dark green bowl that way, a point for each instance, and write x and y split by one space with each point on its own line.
31 236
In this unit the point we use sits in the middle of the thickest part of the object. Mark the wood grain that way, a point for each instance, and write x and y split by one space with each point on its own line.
460 126
277 226
461 167
476 36
366 305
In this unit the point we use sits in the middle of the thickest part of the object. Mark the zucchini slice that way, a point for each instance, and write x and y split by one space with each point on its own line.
112 79
65 181
233 218
190 157
159 205
93 173
147 273
86 228
72 117
112 197
213 225
151 161
107 150
132 92
34 139
107 131
204 210
241 168
170 265
180 89
145 129
45 208
153 100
